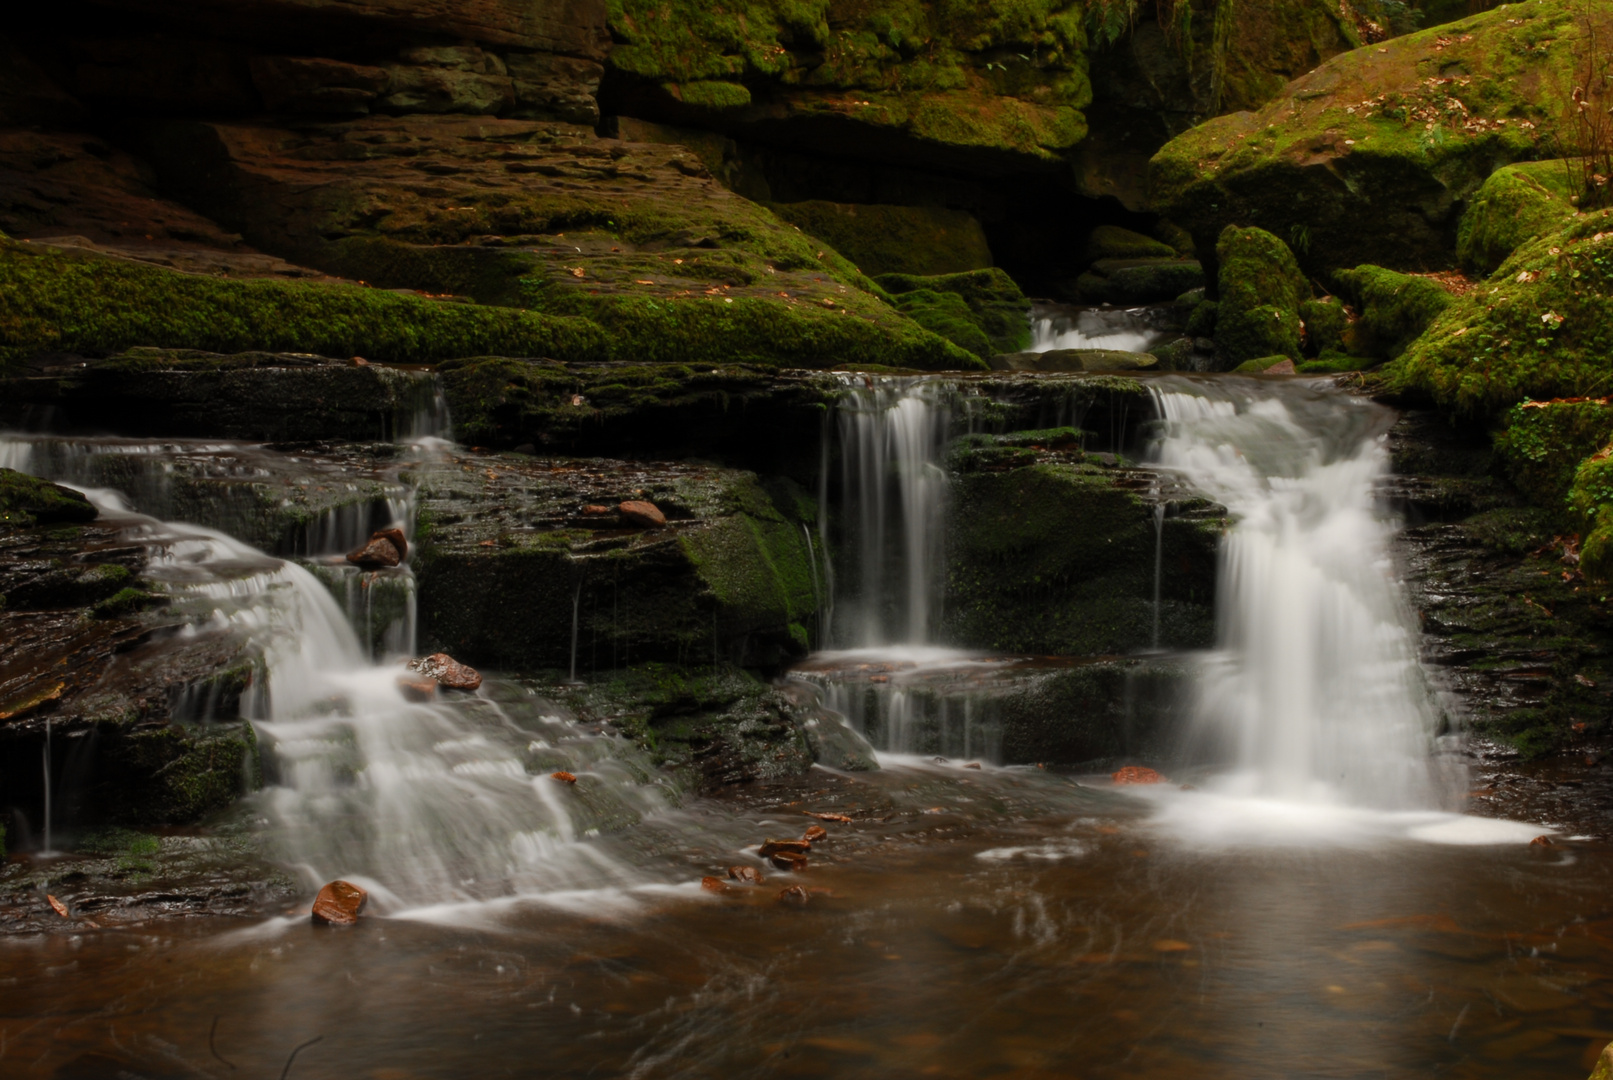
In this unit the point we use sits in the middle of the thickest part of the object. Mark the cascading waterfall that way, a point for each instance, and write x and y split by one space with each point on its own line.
1055 327
1314 692
893 493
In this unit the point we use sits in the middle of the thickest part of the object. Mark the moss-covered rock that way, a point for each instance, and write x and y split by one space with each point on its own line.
1261 288
1265 363
55 301
966 86
984 308
923 240
1114 242
1138 281
1326 323
1020 579
1541 444
1395 309
27 500
509 554
1368 158
1541 328
1094 360
1515 204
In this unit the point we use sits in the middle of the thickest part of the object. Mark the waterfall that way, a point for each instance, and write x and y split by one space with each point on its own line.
1059 327
1314 692
892 431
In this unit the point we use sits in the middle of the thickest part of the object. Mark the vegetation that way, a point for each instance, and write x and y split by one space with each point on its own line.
1394 309
1261 289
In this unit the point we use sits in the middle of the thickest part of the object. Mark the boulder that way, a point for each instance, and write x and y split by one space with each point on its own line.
983 311
379 551
882 239
551 87
339 903
643 515
1368 158
1138 280
1515 204
447 671
1261 288
1266 365
27 500
1394 309
1113 242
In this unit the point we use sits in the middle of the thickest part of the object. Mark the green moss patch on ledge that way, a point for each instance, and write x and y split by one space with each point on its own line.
52 301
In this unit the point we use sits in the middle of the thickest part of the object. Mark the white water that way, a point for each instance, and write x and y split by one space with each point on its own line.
893 492
1313 694
1091 328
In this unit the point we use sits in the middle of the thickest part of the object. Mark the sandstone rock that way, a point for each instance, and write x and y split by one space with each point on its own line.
787 860
795 894
317 85
447 671
814 833
384 548
551 87
1137 774
448 80
842 818
642 514
791 847
748 874
339 904
714 884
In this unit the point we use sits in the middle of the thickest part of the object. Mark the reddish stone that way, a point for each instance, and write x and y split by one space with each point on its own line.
395 537
417 687
377 553
1281 367
789 847
814 833
643 514
748 874
1542 841
593 510
1137 774
714 884
795 894
563 776
339 904
788 860
447 671
972 765
842 818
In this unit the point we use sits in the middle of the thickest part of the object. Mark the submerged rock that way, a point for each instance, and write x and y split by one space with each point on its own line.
447 671
339 903
27 500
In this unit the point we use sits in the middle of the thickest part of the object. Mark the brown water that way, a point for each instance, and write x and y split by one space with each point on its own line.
992 923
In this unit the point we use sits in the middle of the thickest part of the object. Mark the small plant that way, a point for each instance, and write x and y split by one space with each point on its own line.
1589 121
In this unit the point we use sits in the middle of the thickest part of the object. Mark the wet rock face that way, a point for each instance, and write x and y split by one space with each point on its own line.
509 556
144 726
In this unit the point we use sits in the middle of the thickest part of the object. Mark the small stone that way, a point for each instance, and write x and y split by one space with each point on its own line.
1137 774
447 671
814 833
748 874
563 776
714 884
1542 841
359 361
339 904
795 894
417 687
526 448
972 765
593 510
789 847
788 860
842 818
643 514
384 548
1282 367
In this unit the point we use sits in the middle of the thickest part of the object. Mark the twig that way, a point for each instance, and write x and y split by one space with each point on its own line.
212 1031
287 1070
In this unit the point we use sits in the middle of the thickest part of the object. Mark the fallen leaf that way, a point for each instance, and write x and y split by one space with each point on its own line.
1137 774
842 818
563 776
57 906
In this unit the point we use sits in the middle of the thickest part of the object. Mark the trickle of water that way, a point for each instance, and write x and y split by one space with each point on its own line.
1121 329
1314 691
893 490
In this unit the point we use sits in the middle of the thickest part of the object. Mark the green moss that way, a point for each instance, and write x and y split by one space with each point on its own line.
1337 364
1369 156
55 301
1590 501
124 602
1259 364
27 500
1541 445
983 311
1394 309
1541 328
1517 203
1138 281
1326 321
881 239
713 94
1113 242
1261 288
1201 323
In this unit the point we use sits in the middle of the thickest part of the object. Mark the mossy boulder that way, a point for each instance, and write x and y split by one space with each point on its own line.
1369 158
1590 500
1326 324
983 311
1261 288
1541 444
1541 328
27 500
1515 204
1262 364
1394 309
1138 280
881 239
